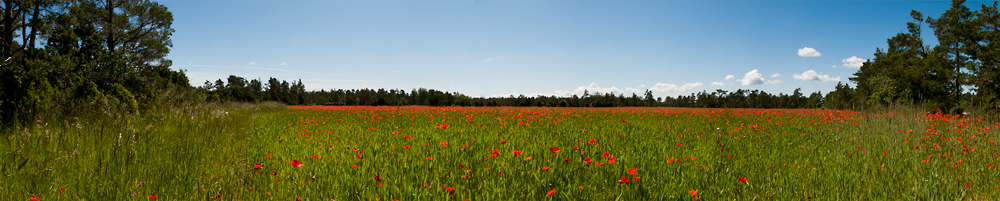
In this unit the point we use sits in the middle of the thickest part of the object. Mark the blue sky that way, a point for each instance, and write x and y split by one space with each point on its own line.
497 48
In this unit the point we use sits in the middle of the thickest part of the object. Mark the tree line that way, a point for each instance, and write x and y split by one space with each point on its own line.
237 88
961 73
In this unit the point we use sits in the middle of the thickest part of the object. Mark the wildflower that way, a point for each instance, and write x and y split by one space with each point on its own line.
554 149
516 152
586 160
153 196
742 179
624 180
377 178
451 191
296 163
527 158
255 167
359 156
545 168
429 158
354 166
550 193
314 156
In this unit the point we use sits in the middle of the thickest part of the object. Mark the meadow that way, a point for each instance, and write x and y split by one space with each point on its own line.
253 152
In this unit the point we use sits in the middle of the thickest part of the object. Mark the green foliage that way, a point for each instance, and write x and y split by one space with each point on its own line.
908 72
96 56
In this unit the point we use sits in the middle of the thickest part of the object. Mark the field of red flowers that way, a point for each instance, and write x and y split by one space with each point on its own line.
505 153
508 153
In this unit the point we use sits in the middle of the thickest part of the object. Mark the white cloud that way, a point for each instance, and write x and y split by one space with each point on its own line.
811 75
773 82
594 89
752 78
776 75
718 84
492 59
730 77
853 62
808 52
633 90
642 85
283 64
252 63
660 87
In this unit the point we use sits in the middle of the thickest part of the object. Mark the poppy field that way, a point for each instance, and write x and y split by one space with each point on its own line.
513 153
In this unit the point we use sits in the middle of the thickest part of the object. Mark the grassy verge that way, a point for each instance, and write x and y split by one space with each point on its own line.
116 156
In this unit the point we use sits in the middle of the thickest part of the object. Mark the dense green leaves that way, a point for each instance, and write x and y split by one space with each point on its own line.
90 55
957 75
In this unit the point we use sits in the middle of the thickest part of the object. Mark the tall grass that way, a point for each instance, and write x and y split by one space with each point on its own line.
209 151
119 156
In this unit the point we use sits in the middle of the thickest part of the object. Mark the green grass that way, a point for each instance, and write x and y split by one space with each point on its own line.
783 154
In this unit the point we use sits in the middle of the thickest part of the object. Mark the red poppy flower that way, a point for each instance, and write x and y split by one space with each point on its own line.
296 163
268 156
624 180
592 141
33 199
359 156
586 160
429 158
256 166
612 160
444 143
693 192
632 171
314 156
451 191
576 148
153 196
406 146
742 179
61 190
527 158
354 166
377 178
554 149
605 155
545 168
503 141
991 165
516 152
550 193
